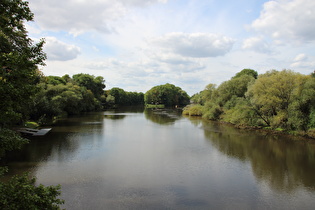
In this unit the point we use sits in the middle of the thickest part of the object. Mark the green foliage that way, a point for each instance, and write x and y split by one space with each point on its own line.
226 97
64 95
10 140
19 60
311 133
311 123
22 193
31 124
282 100
19 76
203 96
193 110
167 94
212 111
249 72
241 113
120 97
236 87
110 100
90 82
155 106
55 80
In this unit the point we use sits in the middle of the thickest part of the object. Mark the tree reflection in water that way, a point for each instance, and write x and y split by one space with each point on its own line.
278 160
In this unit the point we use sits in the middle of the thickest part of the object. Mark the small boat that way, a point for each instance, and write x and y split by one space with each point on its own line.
34 132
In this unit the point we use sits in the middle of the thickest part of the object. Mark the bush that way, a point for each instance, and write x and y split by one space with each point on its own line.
212 111
21 193
193 110
311 133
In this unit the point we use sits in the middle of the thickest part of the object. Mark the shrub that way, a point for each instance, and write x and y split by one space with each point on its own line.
21 193
193 110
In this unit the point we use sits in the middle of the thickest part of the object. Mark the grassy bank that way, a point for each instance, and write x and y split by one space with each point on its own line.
160 106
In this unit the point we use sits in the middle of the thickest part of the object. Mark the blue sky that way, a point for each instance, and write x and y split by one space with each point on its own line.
137 44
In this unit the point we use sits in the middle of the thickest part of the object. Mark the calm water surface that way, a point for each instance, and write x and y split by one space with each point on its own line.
157 159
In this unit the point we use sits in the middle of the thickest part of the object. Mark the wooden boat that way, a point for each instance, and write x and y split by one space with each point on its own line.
34 132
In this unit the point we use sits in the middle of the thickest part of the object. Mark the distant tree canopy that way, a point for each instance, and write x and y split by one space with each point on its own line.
249 72
276 99
118 96
167 94
94 84
66 95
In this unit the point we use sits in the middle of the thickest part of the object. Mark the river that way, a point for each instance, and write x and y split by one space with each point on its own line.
158 159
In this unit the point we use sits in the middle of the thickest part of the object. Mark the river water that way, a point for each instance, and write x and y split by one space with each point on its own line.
158 159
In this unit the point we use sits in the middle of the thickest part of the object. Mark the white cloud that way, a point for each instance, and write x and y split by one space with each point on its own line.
110 63
302 61
300 57
141 2
287 19
173 62
195 45
60 51
79 16
256 44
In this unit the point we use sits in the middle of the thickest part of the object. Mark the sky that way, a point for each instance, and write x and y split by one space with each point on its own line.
138 44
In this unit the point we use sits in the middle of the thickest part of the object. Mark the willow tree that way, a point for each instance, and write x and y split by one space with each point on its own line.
283 98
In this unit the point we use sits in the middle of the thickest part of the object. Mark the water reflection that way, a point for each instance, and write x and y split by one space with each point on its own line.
65 139
115 116
162 116
126 160
281 162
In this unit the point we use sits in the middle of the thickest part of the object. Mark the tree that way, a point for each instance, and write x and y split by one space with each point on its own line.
95 84
167 94
19 74
55 80
249 72
276 97
119 95
22 193
237 87
19 60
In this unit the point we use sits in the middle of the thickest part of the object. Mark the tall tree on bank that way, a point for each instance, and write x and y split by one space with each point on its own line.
19 60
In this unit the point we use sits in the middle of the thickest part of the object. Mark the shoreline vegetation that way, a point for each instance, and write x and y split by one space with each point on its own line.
277 101
194 110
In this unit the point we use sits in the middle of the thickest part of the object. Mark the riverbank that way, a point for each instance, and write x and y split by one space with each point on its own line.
197 111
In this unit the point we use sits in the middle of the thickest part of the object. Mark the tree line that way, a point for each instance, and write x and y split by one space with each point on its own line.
60 96
281 100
